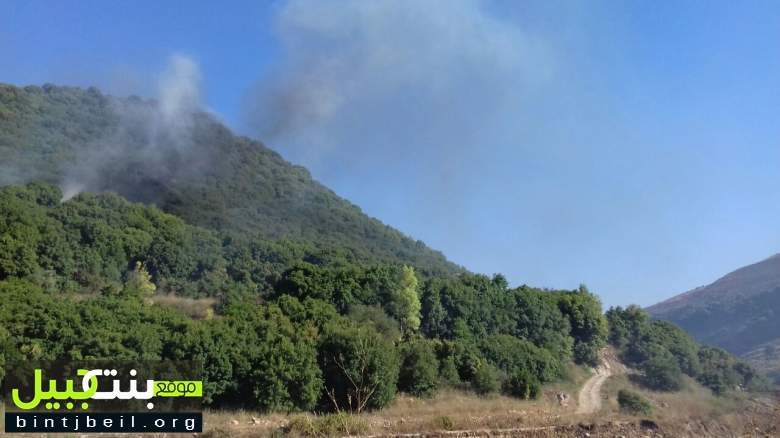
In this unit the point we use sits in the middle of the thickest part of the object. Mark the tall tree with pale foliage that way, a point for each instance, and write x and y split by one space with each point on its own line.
405 302
139 283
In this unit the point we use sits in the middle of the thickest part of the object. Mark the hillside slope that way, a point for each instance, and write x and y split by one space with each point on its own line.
188 164
738 312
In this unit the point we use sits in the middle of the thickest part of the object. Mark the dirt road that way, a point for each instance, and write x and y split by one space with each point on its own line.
589 400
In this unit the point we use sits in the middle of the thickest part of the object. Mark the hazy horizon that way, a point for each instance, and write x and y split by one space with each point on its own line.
628 147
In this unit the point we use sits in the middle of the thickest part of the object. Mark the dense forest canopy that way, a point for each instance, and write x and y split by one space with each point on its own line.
79 279
664 353
187 164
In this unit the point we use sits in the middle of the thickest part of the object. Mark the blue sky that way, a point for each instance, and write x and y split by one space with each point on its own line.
632 146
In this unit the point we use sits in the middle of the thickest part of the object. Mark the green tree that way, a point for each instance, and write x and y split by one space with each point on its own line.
662 372
376 317
139 283
522 384
589 328
285 375
360 368
405 303
511 354
419 373
486 380
633 403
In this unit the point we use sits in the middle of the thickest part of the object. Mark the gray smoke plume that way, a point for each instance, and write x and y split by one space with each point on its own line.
426 94
151 143
376 80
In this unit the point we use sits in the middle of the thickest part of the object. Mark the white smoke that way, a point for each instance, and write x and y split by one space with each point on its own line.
179 91
155 137
426 96
370 81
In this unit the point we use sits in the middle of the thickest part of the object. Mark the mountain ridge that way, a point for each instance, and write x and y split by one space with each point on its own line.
726 281
738 312
188 164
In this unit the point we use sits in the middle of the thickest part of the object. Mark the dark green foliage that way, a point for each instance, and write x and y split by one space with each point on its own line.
633 403
223 182
522 384
265 348
475 306
283 374
360 368
377 318
419 373
486 380
94 242
448 371
511 354
540 320
312 298
662 371
680 345
721 371
664 353
588 328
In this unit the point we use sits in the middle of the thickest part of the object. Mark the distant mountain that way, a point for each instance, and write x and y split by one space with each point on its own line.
739 312
189 164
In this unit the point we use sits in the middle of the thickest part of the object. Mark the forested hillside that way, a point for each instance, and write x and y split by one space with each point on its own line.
187 163
79 280
664 354
290 297
738 312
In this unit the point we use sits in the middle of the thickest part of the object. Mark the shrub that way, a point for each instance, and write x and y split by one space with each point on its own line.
523 385
448 372
419 373
375 316
511 354
360 368
662 372
587 352
633 403
486 380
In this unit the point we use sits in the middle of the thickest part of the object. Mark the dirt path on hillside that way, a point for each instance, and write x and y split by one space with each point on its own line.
589 400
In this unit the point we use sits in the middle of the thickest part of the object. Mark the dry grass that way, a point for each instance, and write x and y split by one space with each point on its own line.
448 410
195 308
694 412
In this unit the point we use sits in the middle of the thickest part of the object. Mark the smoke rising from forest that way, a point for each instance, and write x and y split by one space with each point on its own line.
152 140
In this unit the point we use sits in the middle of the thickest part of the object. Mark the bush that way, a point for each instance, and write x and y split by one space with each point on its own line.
587 352
360 368
523 385
419 373
375 316
448 371
486 380
633 403
662 372
511 354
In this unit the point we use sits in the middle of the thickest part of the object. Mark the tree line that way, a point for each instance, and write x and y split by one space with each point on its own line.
294 327
665 353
